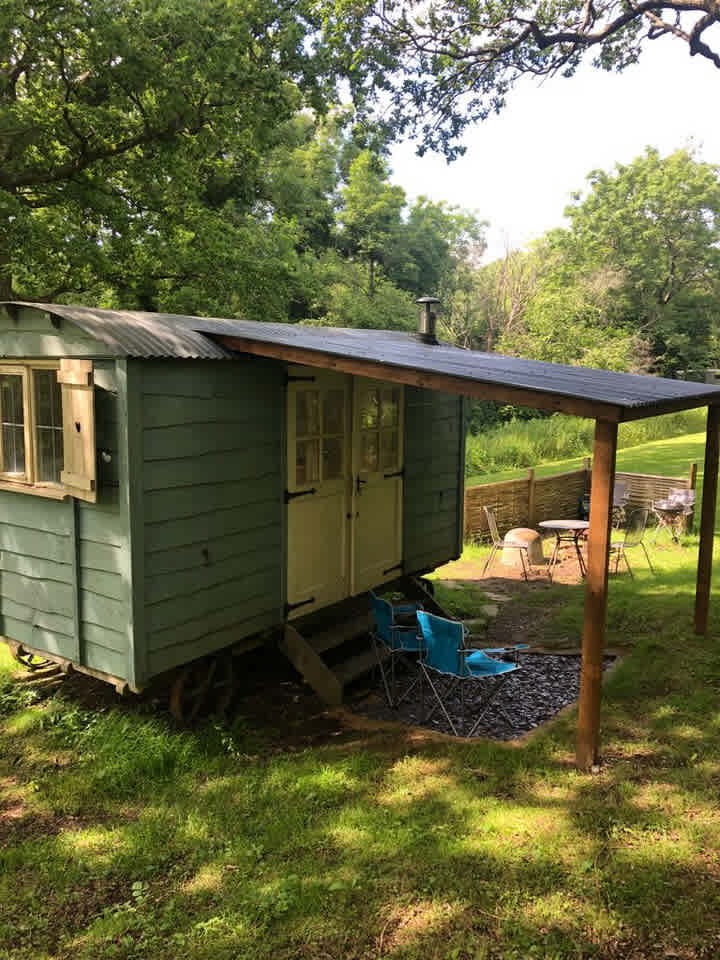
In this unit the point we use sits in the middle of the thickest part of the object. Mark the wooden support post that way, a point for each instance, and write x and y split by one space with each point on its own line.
692 485
707 521
596 588
531 497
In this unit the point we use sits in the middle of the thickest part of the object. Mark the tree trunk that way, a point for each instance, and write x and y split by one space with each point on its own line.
5 273
371 279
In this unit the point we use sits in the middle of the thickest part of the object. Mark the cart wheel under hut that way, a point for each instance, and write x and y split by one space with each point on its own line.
202 688
30 661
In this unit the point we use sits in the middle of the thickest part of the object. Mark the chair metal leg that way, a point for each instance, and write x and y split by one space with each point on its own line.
522 561
381 668
439 704
627 564
490 559
647 557
500 683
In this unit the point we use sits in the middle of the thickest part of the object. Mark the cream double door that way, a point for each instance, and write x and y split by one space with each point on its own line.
344 489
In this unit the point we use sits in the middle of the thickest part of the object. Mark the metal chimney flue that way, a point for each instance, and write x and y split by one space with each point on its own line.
428 319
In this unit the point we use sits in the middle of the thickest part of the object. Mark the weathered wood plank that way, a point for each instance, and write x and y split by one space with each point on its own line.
100 556
181 583
229 619
197 555
199 499
193 606
311 666
181 472
221 523
169 657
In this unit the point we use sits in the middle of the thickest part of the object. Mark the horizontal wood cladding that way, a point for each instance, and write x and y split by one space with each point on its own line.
61 589
434 444
212 504
32 334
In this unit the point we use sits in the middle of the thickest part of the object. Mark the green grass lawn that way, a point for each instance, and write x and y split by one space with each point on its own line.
668 458
122 838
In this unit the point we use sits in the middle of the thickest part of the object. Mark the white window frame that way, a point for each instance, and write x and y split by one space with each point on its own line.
27 483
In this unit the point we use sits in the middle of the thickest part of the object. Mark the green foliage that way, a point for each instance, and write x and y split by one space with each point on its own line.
142 842
431 69
532 442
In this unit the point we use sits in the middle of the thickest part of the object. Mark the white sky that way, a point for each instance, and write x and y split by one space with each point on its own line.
521 166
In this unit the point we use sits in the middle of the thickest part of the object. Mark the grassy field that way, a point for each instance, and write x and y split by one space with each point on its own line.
122 838
669 458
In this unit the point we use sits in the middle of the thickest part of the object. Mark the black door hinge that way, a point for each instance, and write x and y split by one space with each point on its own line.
300 493
289 607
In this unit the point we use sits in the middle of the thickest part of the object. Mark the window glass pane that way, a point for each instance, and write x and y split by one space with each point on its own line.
333 457
369 409
48 426
369 452
390 407
334 412
389 449
307 462
307 413
13 423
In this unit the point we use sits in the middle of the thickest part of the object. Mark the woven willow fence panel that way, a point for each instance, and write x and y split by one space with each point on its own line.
527 501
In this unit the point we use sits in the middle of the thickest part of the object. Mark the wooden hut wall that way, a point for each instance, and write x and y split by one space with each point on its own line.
63 564
434 467
211 505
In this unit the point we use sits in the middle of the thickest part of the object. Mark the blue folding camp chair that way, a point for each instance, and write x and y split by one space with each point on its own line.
448 664
396 639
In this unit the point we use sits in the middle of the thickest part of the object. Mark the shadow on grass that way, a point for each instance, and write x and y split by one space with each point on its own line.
126 839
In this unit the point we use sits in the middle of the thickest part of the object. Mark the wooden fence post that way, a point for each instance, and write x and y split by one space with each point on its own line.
531 497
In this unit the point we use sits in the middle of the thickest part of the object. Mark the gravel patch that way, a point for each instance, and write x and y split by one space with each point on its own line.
544 684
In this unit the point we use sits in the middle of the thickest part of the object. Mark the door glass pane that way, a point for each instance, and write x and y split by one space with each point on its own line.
369 409
13 423
307 462
334 412
307 413
333 458
390 408
369 452
389 449
48 425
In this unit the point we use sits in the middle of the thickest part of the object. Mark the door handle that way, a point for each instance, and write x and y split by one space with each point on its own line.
359 484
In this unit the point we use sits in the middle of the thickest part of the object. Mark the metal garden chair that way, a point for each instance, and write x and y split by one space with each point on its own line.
679 503
634 534
447 664
395 639
500 543
620 502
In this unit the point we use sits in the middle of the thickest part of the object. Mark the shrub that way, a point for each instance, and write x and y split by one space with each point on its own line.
528 443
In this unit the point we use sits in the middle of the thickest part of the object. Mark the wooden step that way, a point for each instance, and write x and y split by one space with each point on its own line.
356 666
340 633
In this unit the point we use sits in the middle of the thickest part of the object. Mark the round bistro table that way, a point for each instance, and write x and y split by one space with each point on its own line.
566 531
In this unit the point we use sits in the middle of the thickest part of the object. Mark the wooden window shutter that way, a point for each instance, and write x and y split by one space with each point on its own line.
78 395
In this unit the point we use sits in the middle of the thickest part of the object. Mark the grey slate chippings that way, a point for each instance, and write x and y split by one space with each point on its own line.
544 684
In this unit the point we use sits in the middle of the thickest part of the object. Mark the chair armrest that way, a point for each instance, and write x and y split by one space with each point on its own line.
406 607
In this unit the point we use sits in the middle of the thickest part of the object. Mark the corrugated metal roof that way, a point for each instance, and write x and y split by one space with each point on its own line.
132 333
137 334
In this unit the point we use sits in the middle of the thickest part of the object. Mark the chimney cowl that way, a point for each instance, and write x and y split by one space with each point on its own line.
427 319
